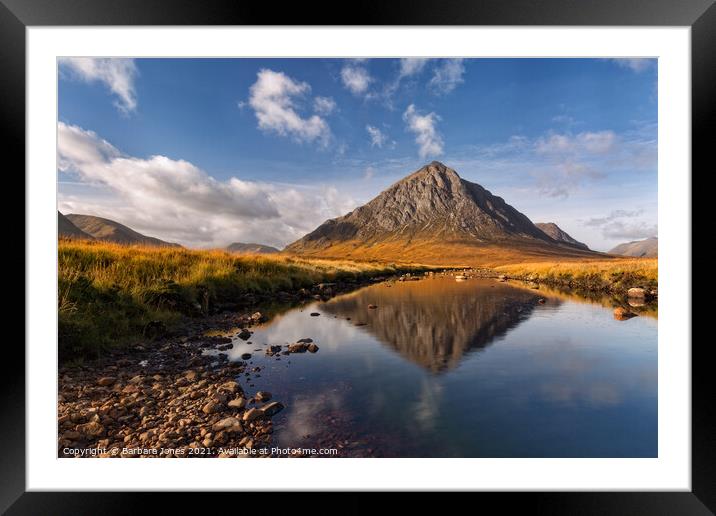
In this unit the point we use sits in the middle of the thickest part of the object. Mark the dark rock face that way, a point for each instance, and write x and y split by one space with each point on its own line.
433 203
648 248
556 233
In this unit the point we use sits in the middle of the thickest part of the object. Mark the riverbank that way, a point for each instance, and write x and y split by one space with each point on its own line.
614 276
110 295
167 398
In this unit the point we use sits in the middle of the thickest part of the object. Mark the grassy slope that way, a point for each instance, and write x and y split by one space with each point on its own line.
108 292
617 274
454 253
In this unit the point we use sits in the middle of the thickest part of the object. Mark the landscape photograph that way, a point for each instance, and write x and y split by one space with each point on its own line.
357 257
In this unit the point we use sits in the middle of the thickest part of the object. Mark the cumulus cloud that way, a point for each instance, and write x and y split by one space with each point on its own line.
355 77
324 105
175 200
118 74
377 137
273 97
429 141
447 76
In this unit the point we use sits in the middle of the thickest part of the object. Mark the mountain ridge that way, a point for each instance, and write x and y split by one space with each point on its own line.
647 248
109 230
251 248
431 207
65 228
556 233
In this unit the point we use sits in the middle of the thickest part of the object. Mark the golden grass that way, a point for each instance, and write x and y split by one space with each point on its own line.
454 253
136 266
108 292
613 274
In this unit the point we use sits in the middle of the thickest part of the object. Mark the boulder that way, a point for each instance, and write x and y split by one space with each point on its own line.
622 314
298 347
263 396
252 414
272 350
272 408
228 424
237 403
211 407
91 429
230 386
636 292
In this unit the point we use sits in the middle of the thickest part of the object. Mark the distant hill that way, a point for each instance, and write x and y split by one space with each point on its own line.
66 228
241 248
434 216
558 234
111 231
648 248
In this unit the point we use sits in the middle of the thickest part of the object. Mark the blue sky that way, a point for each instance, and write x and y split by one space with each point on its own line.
210 151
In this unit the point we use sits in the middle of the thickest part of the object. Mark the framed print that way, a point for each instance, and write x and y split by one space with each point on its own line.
448 251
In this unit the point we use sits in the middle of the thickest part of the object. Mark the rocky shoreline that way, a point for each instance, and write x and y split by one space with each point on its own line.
169 397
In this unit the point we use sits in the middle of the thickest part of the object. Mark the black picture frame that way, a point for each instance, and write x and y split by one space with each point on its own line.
700 15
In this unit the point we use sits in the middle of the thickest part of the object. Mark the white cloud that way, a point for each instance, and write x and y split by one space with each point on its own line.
273 99
324 105
118 74
412 66
634 64
624 225
355 77
368 173
377 137
429 141
600 142
447 76
560 164
175 200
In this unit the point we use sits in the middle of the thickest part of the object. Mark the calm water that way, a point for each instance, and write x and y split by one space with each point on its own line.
461 369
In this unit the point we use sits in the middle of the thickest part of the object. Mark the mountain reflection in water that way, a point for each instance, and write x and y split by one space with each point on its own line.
441 368
435 323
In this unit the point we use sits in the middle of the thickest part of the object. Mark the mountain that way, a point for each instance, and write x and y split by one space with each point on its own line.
109 230
241 248
65 228
648 248
434 216
556 233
